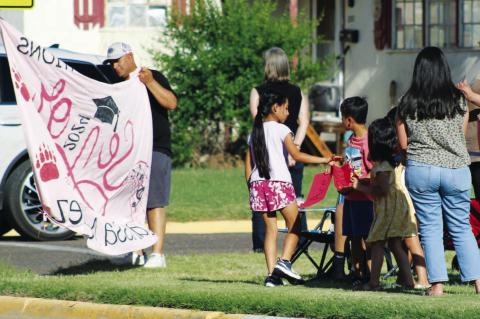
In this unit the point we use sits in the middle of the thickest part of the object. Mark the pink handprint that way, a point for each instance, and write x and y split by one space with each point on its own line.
19 84
47 163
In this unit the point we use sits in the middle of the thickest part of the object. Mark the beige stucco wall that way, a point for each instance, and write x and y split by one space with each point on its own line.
52 21
368 71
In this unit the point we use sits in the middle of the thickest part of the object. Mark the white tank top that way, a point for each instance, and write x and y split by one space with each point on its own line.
275 134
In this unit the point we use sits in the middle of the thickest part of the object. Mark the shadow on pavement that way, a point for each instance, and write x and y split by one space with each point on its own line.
90 267
27 239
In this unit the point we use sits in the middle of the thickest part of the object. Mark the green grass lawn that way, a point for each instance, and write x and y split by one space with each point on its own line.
220 194
232 283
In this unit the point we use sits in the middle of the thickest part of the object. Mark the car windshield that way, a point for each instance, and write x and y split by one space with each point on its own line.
7 95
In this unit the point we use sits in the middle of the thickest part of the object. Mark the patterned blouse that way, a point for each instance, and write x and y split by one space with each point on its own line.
438 142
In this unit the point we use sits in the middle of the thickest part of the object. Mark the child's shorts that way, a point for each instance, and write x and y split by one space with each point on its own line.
357 218
269 196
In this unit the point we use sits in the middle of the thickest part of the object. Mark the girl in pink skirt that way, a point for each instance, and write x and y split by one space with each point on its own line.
270 183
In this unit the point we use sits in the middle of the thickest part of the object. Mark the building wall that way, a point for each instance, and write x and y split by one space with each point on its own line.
369 72
52 21
14 17
142 39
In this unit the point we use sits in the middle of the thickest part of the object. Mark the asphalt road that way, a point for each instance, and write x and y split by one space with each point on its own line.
56 257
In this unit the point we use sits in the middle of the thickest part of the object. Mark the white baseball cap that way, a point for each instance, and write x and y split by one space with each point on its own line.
116 51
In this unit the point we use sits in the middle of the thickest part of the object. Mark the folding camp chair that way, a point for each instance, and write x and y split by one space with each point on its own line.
323 232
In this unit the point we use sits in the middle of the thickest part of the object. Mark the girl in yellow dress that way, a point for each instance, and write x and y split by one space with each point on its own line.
394 217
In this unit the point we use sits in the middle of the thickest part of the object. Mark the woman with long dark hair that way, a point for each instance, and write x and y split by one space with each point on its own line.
431 125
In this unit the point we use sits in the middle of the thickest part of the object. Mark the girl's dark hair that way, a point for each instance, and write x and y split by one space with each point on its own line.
392 115
259 146
382 141
432 94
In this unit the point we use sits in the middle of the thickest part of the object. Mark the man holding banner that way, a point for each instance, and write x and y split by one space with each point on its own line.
162 98
89 143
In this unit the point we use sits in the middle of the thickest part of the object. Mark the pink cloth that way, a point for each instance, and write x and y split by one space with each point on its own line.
90 145
270 196
318 189
342 176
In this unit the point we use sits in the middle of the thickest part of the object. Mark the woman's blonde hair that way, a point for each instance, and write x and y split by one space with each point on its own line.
276 65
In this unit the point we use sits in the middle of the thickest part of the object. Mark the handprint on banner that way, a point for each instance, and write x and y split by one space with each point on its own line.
20 85
46 162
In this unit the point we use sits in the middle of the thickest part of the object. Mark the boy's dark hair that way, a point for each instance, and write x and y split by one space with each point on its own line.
382 141
432 94
259 146
356 107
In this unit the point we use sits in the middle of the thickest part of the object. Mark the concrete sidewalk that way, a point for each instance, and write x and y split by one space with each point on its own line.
211 227
36 308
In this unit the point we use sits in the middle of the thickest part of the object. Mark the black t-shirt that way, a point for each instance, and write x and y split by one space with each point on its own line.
161 124
294 96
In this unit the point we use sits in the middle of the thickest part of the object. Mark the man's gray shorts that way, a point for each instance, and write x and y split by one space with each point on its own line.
160 180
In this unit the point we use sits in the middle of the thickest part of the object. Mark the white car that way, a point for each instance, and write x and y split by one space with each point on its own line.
20 207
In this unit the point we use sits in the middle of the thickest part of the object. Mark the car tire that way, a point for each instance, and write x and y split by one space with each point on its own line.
24 210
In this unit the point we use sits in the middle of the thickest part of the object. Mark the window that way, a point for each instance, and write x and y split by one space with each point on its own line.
326 28
7 95
135 13
442 23
470 24
102 73
408 17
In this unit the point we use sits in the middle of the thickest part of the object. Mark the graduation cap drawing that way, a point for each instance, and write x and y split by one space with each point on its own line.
107 110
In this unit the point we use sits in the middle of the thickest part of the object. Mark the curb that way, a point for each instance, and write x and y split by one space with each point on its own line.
18 307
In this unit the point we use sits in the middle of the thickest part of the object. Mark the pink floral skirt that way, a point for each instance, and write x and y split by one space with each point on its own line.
269 196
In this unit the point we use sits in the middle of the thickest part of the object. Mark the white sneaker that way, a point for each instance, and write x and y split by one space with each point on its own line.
156 261
130 259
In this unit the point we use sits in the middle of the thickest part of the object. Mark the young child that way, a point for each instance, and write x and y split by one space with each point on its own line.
358 208
394 218
338 265
270 183
412 244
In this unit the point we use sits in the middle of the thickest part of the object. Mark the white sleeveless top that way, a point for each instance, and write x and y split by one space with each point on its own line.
275 134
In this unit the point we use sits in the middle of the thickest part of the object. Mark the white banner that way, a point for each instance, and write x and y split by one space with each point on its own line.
90 145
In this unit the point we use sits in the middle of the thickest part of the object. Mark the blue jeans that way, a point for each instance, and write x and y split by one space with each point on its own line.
443 194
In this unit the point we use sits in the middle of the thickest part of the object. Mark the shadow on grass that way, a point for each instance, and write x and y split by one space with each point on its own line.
89 267
346 286
310 283
221 281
